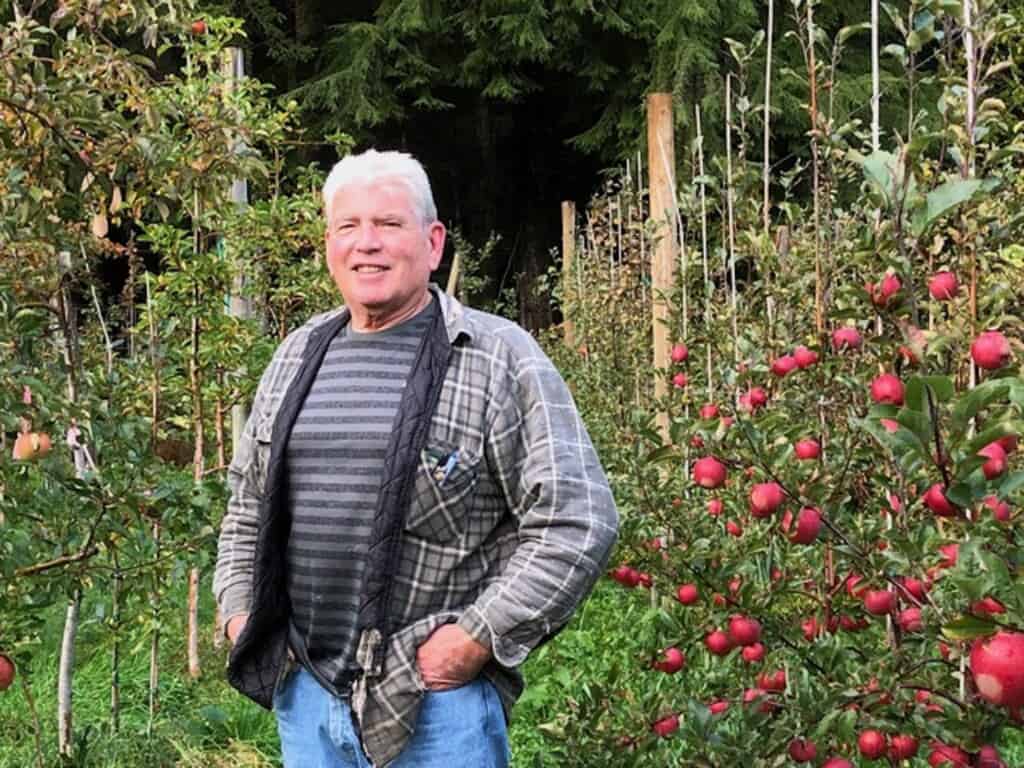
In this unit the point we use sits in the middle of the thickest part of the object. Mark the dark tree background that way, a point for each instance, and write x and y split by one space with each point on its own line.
516 105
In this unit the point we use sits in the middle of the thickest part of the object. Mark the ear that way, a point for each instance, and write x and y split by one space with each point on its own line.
436 235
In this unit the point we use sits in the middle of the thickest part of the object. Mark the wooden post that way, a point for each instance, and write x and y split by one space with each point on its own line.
661 164
568 263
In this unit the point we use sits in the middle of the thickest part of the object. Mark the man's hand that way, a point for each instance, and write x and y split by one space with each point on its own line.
450 658
235 626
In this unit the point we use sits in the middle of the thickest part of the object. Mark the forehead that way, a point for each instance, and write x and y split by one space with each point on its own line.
372 198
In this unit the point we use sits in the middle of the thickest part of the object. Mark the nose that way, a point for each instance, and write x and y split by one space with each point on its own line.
368 239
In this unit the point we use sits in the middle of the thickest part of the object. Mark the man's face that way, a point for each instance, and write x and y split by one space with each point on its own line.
380 253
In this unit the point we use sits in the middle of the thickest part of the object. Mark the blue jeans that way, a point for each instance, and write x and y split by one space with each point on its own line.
464 726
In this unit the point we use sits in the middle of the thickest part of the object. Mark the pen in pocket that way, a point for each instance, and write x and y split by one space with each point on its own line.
445 466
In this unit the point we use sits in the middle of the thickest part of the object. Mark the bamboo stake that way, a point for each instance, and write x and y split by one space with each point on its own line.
568 264
704 253
875 101
65 732
115 654
766 174
154 648
819 319
732 222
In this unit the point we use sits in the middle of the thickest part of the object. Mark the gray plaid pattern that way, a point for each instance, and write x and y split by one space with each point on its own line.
506 545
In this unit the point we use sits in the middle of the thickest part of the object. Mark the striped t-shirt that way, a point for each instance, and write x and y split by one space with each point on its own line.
335 462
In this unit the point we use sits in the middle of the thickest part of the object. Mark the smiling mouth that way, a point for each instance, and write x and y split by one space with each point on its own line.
369 269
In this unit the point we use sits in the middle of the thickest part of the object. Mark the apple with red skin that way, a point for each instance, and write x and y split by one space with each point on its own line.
666 726
753 653
935 499
807 449
947 756
718 707
687 594
950 553
671 661
997 665
1008 443
31 445
989 757
987 606
909 620
744 630
765 498
810 628
679 353
626 576
943 286
881 293
887 389
1000 509
709 472
715 507
846 338
991 351
645 580
718 643
872 744
996 464
709 411
851 586
679 381
750 695
808 526
915 587
758 397
784 365
837 762
773 681
6 672
902 746
804 357
802 750
198 27
734 529
879 602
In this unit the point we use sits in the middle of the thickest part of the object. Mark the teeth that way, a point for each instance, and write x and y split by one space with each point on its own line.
367 268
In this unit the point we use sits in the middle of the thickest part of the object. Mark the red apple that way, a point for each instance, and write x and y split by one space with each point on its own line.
807 449
709 472
680 353
744 630
709 411
943 286
909 620
734 529
935 499
666 726
879 602
846 337
31 445
802 751
837 762
902 747
810 628
990 351
718 643
917 588
1000 509
783 365
944 755
715 507
887 389
987 606
753 653
687 594
718 707
6 672
671 661
996 464
997 664
804 357
679 381
773 681
884 291
989 757
950 553
808 526
765 498
1008 442
872 744
198 27
851 586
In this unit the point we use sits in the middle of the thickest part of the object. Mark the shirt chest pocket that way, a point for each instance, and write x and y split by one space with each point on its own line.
445 481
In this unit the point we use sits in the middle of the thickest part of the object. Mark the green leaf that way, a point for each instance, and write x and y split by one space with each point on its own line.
1010 484
878 169
968 628
992 433
941 200
981 396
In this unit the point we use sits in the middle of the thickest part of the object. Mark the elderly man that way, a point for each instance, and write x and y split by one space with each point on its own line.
415 504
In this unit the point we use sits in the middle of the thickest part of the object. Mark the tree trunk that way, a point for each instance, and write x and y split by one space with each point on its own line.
65 733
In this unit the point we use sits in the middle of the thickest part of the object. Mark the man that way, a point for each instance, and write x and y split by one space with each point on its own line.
415 504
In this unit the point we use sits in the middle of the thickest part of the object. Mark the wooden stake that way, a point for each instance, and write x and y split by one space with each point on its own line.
704 253
732 222
661 170
766 174
819 315
568 263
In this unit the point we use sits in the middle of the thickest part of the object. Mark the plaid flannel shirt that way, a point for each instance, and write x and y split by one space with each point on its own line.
506 545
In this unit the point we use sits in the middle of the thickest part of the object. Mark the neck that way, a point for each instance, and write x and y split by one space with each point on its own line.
369 322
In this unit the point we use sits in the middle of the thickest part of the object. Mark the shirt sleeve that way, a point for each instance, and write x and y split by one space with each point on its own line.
542 458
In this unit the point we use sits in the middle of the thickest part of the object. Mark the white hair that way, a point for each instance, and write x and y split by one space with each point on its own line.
372 166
